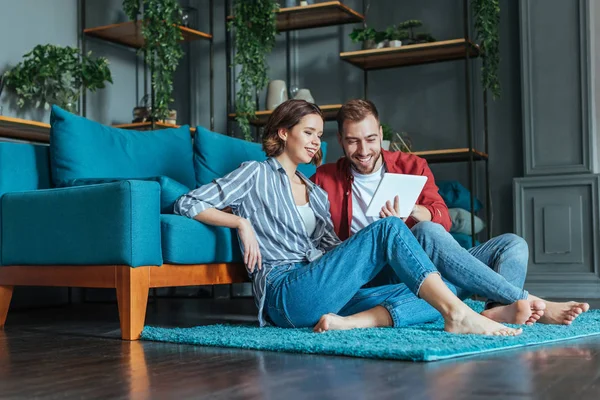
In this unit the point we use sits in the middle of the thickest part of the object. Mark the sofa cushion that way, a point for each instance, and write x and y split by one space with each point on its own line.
23 167
80 148
186 241
216 155
170 189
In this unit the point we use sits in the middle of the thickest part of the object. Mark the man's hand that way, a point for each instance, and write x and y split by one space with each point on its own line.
419 213
389 210
252 257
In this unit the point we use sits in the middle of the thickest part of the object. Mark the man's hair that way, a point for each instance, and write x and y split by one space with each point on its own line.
287 115
355 110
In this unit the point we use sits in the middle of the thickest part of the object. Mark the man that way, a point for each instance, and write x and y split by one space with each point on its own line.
351 182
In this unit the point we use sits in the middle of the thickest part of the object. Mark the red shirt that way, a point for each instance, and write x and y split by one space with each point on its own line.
336 179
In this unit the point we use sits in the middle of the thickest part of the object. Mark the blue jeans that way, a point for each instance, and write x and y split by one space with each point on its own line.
299 294
506 254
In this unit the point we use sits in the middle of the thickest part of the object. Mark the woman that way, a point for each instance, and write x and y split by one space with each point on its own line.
302 274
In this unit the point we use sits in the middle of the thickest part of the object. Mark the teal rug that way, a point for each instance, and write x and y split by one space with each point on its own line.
427 342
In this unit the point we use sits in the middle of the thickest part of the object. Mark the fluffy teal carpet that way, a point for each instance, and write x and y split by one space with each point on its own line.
427 342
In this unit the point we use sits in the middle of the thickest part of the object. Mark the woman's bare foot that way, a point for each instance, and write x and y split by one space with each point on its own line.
520 312
333 322
466 320
561 313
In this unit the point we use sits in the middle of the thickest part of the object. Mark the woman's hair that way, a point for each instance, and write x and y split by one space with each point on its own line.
287 115
355 111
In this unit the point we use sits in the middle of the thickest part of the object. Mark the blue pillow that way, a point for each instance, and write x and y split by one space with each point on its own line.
216 155
170 189
456 195
80 148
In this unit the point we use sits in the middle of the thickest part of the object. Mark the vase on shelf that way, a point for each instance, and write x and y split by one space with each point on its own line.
304 94
276 94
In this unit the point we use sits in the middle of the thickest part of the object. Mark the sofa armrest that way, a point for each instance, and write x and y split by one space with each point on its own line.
105 224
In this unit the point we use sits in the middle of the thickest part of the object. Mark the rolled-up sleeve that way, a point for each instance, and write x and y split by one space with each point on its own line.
228 191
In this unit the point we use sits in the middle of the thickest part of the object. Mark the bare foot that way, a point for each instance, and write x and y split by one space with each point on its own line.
333 322
466 320
562 313
520 312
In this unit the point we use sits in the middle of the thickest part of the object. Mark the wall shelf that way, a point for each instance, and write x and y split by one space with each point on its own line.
451 155
130 34
328 13
416 54
329 112
23 129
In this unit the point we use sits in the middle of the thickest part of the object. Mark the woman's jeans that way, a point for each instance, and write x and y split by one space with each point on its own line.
299 294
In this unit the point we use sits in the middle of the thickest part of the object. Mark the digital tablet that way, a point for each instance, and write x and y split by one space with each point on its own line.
407 187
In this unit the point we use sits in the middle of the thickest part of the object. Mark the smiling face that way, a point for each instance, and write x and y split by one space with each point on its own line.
303 140
361 142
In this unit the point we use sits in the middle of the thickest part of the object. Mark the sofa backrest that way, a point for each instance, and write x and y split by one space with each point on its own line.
83 149
23 167
216 155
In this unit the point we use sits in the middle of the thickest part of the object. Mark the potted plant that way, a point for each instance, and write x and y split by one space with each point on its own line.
52 74
388 135
369 37
395 141
412 37
255 26
395 36
162 52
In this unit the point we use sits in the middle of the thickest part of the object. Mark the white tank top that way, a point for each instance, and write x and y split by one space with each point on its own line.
308 216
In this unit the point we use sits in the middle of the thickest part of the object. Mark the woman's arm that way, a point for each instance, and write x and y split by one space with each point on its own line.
252 256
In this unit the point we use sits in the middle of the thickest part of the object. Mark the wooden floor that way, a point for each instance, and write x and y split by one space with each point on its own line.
74 352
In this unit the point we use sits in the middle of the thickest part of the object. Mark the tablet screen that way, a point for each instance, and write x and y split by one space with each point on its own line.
407 187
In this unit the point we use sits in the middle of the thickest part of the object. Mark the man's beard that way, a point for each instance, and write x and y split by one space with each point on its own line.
358 167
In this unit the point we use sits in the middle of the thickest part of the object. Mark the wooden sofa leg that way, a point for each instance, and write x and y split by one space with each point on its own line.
5 296
132 298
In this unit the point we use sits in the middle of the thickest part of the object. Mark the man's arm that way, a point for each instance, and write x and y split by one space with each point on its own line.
430 205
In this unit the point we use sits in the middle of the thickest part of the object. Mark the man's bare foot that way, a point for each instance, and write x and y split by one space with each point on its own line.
465 320
561 313
333 322
520 312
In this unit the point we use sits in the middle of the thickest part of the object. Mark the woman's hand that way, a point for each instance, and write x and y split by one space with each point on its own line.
252 257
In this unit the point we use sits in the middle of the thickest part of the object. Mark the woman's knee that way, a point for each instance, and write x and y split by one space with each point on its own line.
516 247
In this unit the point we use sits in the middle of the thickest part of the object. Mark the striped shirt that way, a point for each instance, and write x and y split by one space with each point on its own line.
261 192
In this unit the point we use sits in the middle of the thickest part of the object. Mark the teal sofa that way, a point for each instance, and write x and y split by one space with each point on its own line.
95 209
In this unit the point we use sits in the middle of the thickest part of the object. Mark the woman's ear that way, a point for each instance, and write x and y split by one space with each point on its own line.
282 133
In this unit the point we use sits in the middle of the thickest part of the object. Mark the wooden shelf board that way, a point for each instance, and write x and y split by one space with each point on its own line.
146 126
130 34
450 155
328 13
416 54
22 129
329 112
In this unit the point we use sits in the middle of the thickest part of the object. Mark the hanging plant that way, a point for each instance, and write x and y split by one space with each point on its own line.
255 29
487 22
52 74
162 52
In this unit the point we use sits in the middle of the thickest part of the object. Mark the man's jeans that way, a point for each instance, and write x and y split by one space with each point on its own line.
506 254
299 294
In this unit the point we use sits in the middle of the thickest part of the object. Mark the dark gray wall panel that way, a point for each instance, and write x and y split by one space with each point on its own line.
556 82
558 217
